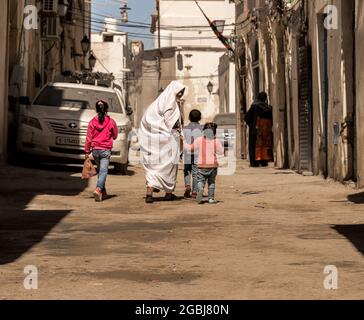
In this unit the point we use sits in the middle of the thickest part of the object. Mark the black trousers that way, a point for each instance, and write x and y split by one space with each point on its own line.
252 146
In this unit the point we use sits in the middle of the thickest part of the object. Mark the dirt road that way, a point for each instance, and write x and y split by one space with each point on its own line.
270 237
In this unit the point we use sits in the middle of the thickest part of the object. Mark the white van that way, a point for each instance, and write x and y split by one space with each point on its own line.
55 124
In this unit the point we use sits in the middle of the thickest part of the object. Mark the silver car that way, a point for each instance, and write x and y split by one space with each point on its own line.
55 124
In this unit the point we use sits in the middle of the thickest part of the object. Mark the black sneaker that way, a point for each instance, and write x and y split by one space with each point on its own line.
149 199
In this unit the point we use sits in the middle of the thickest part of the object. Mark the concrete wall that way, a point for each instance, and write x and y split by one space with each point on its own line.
227 94
196 46
337 160
144 82
112 57
359 41
4 21
30 64
195 75
186 13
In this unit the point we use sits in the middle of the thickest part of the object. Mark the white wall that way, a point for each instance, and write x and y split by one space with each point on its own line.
111 54
204 69
201 46
186 13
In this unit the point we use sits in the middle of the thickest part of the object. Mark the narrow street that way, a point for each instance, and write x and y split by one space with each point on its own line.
270 237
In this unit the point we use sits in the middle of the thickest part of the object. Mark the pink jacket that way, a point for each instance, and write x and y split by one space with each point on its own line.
207 151
101 136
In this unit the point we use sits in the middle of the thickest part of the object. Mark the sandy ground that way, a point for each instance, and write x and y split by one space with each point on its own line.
270 237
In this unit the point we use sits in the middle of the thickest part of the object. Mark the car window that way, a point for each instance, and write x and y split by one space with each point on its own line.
77 98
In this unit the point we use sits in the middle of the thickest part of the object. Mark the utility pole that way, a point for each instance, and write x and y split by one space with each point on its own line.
159 44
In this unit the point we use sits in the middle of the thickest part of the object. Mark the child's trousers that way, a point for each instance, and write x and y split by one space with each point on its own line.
208 175
191 170
102 159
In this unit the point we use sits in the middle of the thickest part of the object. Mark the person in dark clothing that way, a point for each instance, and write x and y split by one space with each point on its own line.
191 133
260 121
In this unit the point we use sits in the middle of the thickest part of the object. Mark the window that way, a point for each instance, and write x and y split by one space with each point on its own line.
108 38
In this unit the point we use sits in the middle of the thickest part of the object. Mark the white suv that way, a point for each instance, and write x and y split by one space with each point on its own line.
55 124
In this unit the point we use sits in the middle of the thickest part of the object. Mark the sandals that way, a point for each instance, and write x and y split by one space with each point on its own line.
169 197
149 199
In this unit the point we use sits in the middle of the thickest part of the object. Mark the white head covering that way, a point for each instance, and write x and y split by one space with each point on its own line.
164 112
158 145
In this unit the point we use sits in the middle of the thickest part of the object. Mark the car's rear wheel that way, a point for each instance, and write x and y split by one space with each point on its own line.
121 168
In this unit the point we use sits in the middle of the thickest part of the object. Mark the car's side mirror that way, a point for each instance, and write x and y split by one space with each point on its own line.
25 101
129 111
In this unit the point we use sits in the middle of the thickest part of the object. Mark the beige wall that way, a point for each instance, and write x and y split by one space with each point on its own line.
360 91
338 161
3 78
143 86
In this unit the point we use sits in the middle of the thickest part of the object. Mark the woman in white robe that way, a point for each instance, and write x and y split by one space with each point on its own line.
159 138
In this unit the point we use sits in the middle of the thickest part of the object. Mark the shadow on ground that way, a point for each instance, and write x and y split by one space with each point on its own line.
354 233
357 198
20 228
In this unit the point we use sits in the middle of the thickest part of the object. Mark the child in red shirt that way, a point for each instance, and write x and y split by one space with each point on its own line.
101 133
208 147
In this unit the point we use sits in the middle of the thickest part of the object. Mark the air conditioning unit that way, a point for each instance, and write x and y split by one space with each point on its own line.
50 6
50 28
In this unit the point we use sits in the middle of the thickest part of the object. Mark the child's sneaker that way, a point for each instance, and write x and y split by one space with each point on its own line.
98 195
194 195
187 194
104 195
212 201
199 197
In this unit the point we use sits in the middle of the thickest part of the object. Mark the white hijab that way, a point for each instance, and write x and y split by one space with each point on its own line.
159 146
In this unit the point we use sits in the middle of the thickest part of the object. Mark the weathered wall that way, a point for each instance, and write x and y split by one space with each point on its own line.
337 159
278 97
145 88
3 77
186 13
226 85
359 27
195 74
112 57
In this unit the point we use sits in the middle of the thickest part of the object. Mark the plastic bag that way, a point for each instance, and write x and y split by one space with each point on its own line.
88 170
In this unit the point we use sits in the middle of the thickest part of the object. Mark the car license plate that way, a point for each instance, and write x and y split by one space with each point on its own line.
69 141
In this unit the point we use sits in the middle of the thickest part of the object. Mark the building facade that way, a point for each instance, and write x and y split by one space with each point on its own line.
111 49
305 55
4 40
194 45
41 41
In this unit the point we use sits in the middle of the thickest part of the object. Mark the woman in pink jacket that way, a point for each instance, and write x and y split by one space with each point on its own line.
101 133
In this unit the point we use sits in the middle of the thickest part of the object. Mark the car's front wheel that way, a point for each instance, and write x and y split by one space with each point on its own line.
121 168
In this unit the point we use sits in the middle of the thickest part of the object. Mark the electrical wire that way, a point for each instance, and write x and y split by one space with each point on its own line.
146 25
94 24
